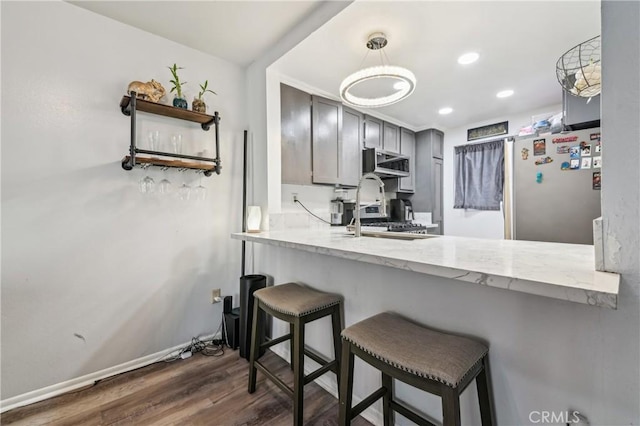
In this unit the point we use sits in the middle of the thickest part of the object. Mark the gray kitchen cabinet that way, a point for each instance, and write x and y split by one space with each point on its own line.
391 138
437 143
436 216
326 139
580 113
321 141
350 159
408 148
372 132
427 196
295 133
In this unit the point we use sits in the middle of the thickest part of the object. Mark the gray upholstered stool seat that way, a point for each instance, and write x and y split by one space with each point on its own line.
436 362
297 305
296 300
442 357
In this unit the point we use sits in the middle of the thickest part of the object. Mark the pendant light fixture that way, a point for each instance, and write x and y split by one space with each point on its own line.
402 87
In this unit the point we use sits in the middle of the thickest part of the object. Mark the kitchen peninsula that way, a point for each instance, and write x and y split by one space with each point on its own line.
559 271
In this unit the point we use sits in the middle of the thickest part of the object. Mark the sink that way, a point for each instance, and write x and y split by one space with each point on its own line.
396 235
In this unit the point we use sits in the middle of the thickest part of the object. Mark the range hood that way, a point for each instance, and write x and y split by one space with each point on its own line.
385 164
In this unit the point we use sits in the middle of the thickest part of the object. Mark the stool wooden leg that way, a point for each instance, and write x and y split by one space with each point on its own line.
254 346
291 346
450 406
298 372
337 325
346 384
387 412
484 394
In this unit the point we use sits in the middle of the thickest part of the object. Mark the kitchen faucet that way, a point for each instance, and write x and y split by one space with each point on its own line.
357 207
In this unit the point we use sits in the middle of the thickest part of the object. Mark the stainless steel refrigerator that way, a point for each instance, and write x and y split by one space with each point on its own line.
557 199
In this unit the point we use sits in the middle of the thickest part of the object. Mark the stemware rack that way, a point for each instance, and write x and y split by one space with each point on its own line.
130 105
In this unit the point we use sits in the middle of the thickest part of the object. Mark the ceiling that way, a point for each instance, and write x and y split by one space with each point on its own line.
519 43
237 31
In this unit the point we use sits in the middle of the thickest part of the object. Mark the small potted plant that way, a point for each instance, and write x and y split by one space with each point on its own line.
178 101
198 104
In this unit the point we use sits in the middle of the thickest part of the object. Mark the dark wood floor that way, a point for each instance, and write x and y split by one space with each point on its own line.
200 390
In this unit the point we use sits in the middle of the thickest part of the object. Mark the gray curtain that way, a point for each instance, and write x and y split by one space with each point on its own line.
479 175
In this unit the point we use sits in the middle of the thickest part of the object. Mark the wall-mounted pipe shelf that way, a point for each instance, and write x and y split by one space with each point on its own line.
129 105
208 169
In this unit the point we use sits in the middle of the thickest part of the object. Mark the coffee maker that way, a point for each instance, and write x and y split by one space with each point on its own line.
402 210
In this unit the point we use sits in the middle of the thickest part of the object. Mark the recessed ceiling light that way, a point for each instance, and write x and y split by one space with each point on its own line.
468 58
504 94
445 111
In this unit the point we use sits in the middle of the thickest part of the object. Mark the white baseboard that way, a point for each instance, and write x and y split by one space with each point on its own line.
370 413
89 379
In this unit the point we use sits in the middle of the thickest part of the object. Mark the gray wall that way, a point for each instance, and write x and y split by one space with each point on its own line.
621 199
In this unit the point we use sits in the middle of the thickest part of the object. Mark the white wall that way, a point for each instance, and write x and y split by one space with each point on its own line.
84 253
546 354
477 223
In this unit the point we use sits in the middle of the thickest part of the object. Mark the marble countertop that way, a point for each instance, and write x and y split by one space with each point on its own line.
559 271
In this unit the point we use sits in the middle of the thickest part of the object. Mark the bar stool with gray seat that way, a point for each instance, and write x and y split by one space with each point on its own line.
433 361
297 305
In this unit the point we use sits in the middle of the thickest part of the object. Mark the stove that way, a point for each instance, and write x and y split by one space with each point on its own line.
398 227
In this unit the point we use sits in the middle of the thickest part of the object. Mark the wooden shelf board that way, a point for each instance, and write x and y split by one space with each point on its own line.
181 164
167 110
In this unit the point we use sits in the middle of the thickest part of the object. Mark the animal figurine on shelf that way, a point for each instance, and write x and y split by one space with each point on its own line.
151 90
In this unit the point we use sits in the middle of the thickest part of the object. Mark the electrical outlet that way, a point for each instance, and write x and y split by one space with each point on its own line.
295 197
215 295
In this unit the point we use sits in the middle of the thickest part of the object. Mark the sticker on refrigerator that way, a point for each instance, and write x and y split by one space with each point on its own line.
575 164
598 147
585 163
597 162
545 160
564 165
525 153
596 180
564 149
594 136
585 151
539 147
565 139
574 152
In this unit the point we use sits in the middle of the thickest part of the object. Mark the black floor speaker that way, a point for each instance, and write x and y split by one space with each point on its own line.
248 285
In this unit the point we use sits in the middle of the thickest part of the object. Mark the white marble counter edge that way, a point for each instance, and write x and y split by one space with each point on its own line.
548 289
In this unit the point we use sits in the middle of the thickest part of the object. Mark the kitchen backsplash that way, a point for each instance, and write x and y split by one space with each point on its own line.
290 220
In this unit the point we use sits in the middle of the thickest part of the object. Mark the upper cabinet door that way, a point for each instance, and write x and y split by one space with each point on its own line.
295 136
437 195
391 138
352 140
408 148
326 138
437 144
372 132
